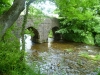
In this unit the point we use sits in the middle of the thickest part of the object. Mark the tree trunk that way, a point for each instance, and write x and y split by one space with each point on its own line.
23 28
24 23
8 18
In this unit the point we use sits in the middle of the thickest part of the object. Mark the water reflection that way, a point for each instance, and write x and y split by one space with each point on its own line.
49 44
50 40
28 42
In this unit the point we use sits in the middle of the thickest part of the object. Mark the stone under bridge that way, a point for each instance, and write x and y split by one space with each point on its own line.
41 28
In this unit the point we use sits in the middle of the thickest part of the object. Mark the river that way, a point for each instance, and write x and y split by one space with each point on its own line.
63 58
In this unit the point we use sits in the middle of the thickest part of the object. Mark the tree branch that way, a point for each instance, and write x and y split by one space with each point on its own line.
8 18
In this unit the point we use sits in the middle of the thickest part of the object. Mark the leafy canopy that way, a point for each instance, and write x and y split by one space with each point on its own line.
76 9
80 20
5 5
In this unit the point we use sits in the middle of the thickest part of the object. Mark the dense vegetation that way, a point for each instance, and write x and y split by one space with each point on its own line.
80 20
5 5
12 58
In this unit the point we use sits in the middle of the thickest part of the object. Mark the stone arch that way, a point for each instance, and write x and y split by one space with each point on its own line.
42 30
35 38
56 36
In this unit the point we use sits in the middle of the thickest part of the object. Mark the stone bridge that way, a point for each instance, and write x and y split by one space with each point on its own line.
41 28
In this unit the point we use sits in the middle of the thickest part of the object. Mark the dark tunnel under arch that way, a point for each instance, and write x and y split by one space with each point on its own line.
34 38
56 36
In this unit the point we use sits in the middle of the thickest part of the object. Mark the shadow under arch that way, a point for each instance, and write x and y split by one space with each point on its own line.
56 36
34 38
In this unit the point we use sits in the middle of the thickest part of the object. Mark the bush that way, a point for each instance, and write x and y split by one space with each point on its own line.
10 53
97 39
73 37
12 61
88 39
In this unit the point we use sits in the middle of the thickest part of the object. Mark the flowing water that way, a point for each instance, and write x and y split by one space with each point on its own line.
60 58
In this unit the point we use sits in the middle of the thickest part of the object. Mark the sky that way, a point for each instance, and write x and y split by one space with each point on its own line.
47 8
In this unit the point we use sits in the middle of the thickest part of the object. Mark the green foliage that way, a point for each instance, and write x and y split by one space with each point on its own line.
97 39
30 32
35 12
79 31
9 53
88 39
5 5
80 20
36 15
73 37
76 9
50 34
11 60
96 27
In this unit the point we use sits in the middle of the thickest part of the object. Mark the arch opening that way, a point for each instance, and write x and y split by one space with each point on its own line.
54 35
34 35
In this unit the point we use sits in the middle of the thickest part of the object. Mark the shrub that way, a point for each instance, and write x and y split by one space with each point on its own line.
88 39
97 39
12 61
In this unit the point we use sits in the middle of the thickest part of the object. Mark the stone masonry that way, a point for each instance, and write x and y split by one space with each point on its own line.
42 25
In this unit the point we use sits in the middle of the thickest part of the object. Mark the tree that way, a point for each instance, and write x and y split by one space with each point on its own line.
10 50
24 23
79 19
5 5
8 18
11 57
76 9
